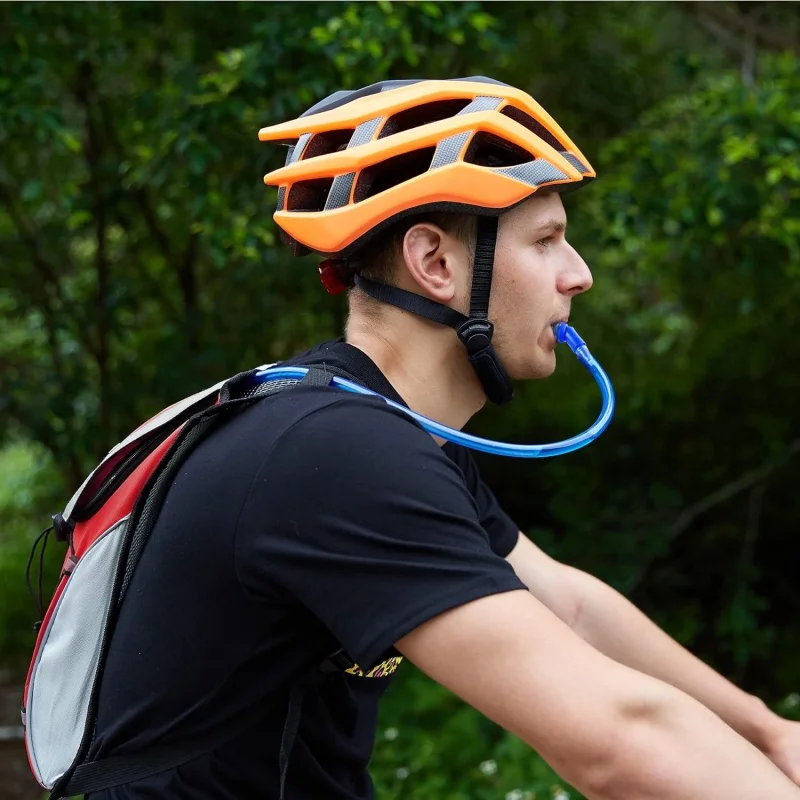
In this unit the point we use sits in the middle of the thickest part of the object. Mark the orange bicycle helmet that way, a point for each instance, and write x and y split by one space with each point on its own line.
362 160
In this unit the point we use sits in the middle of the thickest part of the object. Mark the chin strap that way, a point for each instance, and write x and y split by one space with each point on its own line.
474 331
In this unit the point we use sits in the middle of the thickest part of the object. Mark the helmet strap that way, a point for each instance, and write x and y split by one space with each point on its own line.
475 331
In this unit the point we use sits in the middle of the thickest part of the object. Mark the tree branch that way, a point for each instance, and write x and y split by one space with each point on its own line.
729 490
751 531
93 152
142 199
741 27
27 234
187 279
716 498
160 238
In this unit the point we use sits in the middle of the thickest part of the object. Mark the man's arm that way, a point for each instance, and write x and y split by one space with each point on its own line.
611 731
609 622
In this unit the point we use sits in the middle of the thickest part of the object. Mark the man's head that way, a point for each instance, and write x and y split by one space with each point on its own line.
427 188
536 275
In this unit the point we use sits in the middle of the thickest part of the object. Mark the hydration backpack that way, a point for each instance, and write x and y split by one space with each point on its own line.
105 526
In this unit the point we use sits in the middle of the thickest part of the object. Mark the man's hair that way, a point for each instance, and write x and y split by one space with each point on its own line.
383 256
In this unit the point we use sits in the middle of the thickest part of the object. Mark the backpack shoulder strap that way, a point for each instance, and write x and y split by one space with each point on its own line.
149 433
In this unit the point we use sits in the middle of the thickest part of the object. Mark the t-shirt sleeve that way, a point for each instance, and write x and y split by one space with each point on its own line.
357 514
502 530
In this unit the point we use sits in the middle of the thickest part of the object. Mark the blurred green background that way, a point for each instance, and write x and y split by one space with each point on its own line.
139 263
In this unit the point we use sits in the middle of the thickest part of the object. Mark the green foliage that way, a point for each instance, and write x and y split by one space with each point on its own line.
139 263
29 482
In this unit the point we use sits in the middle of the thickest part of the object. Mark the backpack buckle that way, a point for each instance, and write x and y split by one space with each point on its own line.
62 529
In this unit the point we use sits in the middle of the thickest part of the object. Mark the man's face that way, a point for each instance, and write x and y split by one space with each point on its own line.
536 275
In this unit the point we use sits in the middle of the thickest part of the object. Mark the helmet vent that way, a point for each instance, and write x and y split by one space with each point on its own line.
534 126
380 177
328 142
309 195
421 115
488 150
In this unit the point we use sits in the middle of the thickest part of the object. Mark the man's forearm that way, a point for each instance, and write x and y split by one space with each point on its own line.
615 627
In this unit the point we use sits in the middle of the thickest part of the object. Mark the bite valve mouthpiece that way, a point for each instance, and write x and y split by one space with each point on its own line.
569 336
566 335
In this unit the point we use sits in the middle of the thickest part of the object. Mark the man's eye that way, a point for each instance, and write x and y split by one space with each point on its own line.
545 242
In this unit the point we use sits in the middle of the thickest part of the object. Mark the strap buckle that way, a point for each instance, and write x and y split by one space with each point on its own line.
475 334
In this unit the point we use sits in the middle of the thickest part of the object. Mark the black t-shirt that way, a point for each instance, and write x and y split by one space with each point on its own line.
312 520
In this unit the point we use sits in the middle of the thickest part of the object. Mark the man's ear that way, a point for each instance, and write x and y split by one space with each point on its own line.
431 257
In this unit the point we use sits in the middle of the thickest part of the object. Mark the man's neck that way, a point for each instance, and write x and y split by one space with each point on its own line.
424 362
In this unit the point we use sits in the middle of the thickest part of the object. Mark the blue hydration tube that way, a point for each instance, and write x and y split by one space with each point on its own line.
563 333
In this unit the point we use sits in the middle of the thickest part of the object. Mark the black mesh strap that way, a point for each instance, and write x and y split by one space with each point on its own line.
477 332
414 303
335 662
482 269
317 376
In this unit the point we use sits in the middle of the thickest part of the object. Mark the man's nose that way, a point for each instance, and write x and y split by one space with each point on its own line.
576 277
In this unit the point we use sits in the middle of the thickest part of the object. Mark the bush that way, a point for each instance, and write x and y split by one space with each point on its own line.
30 490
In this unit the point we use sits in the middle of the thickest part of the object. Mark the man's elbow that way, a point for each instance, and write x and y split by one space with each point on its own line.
659 743
625 754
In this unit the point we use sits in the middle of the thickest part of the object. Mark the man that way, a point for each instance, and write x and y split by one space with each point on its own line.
318 522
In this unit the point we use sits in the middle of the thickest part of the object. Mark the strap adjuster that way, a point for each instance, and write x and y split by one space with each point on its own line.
475 334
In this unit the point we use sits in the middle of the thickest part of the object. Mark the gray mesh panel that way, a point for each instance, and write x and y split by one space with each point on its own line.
339 194
576 162
297 150
64 672
293 155
448 149
481 104
270 387
533 173
365 131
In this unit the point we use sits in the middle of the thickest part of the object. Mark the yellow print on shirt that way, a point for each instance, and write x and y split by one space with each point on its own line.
381 671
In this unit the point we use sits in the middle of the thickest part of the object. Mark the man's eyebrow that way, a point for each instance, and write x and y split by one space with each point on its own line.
555 225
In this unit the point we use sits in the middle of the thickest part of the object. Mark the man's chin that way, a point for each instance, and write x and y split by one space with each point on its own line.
542 366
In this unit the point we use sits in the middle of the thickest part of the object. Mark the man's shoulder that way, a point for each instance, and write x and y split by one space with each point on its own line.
330 415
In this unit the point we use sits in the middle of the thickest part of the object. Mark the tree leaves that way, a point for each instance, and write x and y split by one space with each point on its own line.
140 263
